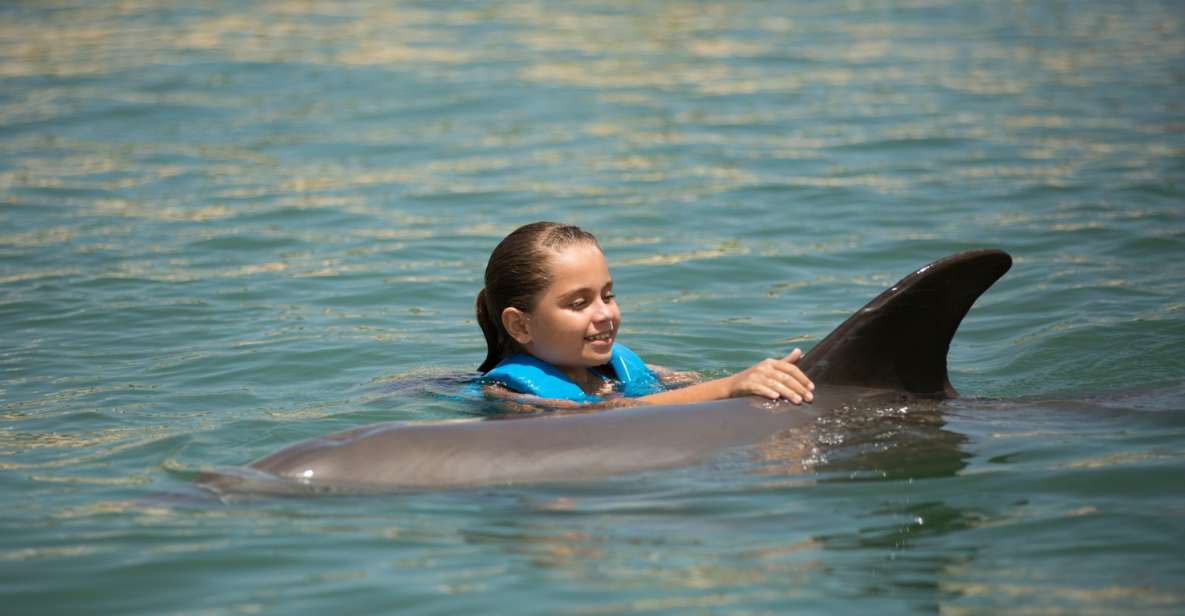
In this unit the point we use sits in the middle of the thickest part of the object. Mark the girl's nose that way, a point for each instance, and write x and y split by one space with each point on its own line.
602 311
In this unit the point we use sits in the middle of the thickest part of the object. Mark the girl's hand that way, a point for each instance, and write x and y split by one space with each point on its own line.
773 379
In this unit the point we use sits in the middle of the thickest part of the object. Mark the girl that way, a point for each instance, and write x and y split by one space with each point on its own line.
550 322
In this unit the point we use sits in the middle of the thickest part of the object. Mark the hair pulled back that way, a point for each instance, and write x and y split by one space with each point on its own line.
516 275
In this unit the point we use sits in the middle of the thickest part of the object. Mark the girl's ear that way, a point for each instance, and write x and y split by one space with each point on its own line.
517 324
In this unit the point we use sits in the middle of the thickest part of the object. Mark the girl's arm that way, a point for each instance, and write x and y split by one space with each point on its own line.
674 378
770 378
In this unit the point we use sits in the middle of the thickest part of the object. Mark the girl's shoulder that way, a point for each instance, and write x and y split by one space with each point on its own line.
635 377
527 374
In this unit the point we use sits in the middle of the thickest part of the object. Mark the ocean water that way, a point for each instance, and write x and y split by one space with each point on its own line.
229 226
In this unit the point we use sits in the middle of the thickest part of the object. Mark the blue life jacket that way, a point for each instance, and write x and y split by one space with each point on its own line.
526 374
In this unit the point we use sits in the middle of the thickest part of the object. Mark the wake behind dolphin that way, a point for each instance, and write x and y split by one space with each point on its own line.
893 348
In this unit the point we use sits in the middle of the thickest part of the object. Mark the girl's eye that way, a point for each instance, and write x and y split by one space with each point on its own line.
609 297
577 304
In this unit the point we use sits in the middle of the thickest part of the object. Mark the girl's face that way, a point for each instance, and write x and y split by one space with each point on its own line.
574 323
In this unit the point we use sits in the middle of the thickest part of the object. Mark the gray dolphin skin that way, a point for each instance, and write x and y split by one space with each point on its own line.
892 349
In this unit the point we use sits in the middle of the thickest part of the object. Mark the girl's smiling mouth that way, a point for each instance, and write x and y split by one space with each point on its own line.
603 337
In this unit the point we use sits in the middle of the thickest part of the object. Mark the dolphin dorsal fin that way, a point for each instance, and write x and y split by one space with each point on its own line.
900 339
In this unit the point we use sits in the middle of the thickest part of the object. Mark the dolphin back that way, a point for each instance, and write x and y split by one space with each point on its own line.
899 340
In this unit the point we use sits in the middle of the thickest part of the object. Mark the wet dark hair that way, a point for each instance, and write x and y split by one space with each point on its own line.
516 275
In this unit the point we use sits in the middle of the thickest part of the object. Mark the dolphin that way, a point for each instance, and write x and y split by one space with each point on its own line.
893 349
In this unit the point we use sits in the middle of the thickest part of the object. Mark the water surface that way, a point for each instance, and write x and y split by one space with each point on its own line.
230 226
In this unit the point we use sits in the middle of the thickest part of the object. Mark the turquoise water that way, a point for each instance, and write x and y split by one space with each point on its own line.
229 226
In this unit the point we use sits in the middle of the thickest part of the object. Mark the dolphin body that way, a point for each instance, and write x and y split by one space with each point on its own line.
892 349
